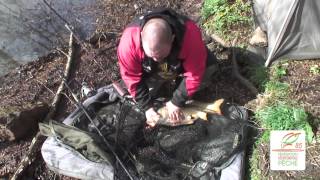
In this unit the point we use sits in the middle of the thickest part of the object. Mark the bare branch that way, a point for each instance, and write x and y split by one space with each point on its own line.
38 140
235 71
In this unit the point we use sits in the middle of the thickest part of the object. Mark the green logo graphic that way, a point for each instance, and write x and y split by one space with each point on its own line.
289 139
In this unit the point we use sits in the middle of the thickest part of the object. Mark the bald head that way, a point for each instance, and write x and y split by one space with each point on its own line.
157 39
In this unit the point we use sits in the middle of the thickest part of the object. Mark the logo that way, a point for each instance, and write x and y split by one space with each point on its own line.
290 141
287 150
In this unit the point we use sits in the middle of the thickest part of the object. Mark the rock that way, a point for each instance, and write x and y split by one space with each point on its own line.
136 7
206 38
212 46
256 55
219 40
22 123
259 38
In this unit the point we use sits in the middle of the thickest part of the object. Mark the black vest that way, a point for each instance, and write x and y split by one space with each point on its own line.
176 22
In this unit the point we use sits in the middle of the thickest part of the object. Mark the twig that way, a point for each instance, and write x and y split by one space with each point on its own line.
70 100
45 86
266 162
38 140
314 159
287 174
298 87
61 51
68 26
314 146
83 44
235 71
99 41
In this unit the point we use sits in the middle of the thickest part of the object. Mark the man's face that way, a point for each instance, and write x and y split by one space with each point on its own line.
157 38
157 52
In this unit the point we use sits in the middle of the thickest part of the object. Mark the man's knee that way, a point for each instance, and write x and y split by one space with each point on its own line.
210 71
211 59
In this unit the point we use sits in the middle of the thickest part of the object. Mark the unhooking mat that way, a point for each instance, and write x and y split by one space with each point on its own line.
64 160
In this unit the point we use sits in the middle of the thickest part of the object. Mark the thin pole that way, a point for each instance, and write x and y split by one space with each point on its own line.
79 105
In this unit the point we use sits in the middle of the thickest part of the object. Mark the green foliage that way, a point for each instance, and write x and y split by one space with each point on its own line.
212 7
283 117
258 75
277 111
277 114
242 46
315 69
221 15
278 90
276 86
280 71
255 171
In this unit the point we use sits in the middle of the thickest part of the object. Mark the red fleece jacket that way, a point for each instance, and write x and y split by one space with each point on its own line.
193 55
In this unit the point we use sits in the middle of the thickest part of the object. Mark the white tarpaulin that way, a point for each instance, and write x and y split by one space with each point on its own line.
292 27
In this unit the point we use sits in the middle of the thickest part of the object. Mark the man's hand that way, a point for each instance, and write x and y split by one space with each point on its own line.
175 113
152 117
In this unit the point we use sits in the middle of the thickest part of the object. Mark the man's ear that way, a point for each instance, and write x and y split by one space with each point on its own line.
172 37
141 37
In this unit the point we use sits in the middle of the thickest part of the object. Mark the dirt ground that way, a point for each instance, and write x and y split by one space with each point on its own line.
305 85
38 81
305 90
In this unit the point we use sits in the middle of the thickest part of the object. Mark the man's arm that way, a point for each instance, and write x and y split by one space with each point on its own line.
194 55
130 58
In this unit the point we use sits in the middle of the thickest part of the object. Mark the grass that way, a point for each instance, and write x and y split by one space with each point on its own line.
255 171
283 117
275 110
269 83
278 112
279 70
276 90
259 76
315 69
223 15
4 111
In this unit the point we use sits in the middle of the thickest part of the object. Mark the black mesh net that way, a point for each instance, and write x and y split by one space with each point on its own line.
165 152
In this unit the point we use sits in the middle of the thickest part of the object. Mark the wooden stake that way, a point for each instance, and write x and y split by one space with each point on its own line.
235 71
